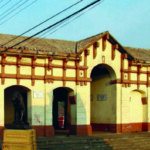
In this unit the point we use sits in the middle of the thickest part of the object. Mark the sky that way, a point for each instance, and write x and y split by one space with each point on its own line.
128 21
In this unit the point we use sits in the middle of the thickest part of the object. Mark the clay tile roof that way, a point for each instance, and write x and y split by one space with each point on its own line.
41 44
139 53
85 42
63 46
51 45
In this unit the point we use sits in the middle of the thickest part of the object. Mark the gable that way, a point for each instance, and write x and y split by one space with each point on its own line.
84 44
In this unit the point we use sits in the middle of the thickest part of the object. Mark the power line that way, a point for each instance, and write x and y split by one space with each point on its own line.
10 10
5 4
7 10
70 20
61 25
89 5
42 22
18 12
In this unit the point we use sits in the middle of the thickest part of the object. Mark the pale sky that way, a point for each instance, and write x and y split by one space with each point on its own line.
128 21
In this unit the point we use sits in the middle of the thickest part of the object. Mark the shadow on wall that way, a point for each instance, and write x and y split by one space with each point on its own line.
8 105
103 99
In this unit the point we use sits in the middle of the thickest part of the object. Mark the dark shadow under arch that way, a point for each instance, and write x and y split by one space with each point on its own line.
8 106
61 108
103 69
103 98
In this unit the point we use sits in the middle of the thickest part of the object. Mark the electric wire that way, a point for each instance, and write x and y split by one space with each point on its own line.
73 14
7 10
18 12
61 25
42 22
5 4
43 34
12 9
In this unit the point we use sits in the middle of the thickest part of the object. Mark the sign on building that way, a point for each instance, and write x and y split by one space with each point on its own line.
38 94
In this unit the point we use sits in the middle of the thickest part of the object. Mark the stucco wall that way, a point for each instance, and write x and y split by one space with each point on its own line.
122 101
103 111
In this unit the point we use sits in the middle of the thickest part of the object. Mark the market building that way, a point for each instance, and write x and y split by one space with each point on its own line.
93 84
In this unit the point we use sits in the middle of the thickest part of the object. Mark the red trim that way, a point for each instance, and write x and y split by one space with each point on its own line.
3 68
125 128
42 65
147 78
129 74
106 127
40 130
105 37
49 131
1 131
44 130
33 70
94 50
144 100
134 71
64 71
81 129
85 64
18 69
113 48
138 76
87 129
139 127
122 67
46 78
103 44
148 126
128 82
77 72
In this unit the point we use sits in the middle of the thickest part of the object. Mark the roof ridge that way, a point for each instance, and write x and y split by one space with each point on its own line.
92 36
137 48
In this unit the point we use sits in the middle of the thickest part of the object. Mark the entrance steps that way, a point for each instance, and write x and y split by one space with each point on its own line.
126 141
62 142
98 141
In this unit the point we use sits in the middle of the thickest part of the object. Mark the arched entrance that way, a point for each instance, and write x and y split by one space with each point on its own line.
138 111
8 106
103 98
62 108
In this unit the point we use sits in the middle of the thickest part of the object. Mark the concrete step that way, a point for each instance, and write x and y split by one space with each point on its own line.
104 141
72 143
136 142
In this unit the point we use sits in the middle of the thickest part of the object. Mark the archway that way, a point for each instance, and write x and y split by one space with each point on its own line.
62 101
8 106
138 111
103 98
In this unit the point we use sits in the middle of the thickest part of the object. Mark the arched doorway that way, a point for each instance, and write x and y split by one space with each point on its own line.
103 98
8 106
138 111
62 108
